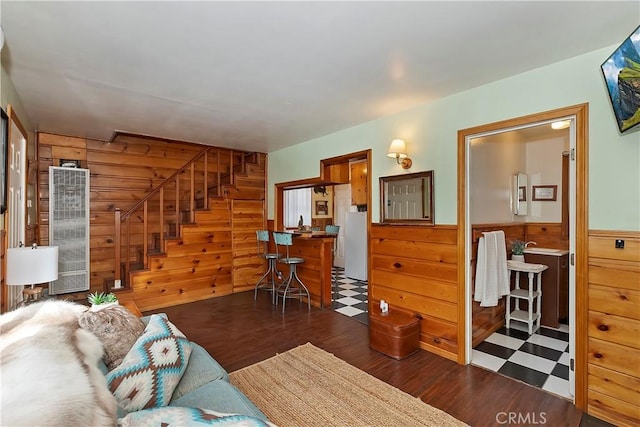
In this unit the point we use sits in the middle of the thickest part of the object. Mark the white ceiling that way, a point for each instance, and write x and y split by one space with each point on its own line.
265 75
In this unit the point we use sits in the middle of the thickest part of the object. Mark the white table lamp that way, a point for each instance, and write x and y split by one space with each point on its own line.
31 266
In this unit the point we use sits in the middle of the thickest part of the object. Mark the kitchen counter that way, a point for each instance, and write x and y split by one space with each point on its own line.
315 272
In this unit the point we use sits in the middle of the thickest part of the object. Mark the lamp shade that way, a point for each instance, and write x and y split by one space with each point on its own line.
30 266
397 149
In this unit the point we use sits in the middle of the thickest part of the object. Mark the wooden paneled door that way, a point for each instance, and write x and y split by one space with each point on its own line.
342 201
16 204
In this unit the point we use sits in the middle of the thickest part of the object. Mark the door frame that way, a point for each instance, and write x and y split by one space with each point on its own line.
581 114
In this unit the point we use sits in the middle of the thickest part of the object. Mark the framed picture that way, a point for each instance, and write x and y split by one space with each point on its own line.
4 144
322 207
544 193
522 194
620 71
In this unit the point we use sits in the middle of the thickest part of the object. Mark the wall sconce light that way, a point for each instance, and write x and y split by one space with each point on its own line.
398 150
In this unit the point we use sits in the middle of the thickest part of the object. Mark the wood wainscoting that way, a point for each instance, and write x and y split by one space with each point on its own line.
547 235
415 269
613 391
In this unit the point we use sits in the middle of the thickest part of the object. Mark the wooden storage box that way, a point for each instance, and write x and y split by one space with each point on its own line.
395 334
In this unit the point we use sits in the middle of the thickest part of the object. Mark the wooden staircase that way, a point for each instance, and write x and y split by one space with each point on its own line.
193 237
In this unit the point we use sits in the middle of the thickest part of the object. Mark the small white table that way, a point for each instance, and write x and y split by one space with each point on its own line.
531 295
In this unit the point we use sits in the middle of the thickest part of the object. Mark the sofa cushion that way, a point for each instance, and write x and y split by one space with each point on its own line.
192 417
220 396
202 368
151 370
116 327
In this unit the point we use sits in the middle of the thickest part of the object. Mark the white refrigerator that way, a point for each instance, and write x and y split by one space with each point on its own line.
355 245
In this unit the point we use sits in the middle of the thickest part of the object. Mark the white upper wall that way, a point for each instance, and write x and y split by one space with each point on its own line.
431 134
544 167
494 160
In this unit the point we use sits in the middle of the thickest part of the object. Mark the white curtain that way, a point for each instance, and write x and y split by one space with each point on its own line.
296 203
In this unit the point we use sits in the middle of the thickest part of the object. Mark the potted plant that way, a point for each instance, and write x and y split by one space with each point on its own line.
101 300
517 250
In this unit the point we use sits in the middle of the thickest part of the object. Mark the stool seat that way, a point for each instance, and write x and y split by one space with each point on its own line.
293 286
292 260
271 256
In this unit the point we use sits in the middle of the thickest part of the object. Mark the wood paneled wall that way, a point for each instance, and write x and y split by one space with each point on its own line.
247 217
547 235
122 172
415 269
613 391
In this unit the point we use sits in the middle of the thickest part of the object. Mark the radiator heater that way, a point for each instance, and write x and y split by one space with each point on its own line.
69 227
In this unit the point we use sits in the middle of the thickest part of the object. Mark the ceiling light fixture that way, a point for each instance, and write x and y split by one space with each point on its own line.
398 150
563 124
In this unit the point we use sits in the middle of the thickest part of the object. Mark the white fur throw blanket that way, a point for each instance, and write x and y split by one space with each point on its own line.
49 372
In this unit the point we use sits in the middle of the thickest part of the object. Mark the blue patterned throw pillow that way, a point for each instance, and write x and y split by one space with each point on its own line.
173 416
151 370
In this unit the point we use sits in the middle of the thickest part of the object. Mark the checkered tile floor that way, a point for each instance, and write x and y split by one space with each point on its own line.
540 359
353 297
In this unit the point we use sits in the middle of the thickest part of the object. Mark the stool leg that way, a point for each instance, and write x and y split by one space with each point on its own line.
295 274
274 274
286 289
265 275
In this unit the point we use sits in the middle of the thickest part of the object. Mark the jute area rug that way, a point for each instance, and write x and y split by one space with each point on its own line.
307 386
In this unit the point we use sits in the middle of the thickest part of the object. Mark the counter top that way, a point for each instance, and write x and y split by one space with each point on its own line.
545 251
310 234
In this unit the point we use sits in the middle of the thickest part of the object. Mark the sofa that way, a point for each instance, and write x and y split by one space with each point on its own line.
204 384
107 366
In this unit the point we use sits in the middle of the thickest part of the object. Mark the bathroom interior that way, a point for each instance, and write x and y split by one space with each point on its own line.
520 184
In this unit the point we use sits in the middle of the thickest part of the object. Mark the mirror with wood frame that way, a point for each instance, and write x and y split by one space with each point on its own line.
407 198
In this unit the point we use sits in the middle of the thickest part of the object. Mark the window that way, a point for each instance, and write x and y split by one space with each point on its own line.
297 203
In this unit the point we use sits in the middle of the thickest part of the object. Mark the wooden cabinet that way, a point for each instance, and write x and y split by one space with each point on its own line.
359 183
555 287
337 173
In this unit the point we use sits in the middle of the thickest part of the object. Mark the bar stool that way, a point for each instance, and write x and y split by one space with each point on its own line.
272 270
286 240
334 229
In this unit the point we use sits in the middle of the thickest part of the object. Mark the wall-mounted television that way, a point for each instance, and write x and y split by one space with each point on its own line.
4 136
621 73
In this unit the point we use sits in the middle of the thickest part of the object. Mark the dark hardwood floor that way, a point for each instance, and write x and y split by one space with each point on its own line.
238 331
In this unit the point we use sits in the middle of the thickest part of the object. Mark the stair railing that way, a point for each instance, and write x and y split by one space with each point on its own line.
196 191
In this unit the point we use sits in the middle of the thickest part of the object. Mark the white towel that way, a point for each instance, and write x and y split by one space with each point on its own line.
492 278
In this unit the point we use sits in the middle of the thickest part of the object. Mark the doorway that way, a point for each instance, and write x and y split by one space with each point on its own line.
576 358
